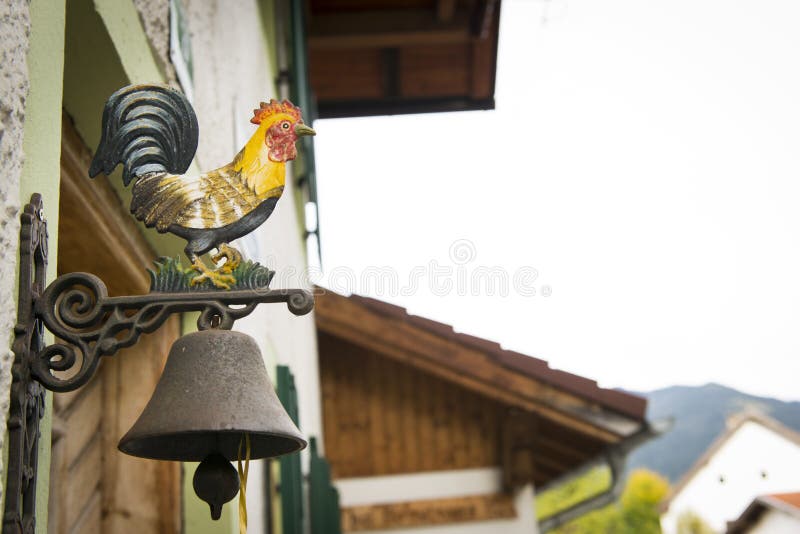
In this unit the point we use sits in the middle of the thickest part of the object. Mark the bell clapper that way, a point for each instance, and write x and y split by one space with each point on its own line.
216 482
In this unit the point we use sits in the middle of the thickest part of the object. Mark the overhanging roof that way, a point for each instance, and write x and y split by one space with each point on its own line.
574 407
390 56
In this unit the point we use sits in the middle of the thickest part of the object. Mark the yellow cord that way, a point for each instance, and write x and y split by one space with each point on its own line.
243 484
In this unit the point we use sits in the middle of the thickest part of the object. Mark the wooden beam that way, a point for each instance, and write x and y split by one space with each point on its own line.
387 29
463 365
390 39
566 450
484 17
445 10
518 456
485 26
390 66
338 108
545 472
429 512
554 465
482 68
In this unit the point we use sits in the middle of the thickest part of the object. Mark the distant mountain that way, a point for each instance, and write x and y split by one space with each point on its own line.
699 414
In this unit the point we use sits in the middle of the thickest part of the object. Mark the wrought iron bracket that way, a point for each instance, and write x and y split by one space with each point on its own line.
89 324
27 395
77 309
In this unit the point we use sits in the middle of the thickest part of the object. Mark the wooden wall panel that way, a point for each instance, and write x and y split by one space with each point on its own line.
139 495
382 417
94 487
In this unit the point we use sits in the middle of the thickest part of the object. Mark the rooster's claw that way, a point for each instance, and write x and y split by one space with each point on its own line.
232 258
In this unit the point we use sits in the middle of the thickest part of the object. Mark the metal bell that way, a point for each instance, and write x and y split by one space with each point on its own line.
214 390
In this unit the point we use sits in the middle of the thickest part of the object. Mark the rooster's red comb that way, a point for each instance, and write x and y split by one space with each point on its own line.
265 110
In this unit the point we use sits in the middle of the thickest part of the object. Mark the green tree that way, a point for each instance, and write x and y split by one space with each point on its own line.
690 522
638 505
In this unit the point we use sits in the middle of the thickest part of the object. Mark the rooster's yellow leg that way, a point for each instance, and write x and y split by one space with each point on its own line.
233 258
220 280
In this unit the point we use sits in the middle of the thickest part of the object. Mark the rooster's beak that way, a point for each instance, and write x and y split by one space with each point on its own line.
302 129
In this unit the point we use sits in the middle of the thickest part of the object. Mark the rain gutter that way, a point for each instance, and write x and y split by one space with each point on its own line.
615 458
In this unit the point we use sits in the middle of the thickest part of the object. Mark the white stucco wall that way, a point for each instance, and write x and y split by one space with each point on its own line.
751 450
776 522
232 74
15 29
441 485
154 16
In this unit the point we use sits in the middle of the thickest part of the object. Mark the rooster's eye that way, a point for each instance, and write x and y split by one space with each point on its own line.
285 125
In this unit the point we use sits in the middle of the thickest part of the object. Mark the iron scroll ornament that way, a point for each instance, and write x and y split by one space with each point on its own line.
76 308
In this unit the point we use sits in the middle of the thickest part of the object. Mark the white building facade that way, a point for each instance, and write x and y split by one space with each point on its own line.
755 456
233 51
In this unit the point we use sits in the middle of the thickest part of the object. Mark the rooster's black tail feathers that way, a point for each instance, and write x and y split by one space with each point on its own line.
147 128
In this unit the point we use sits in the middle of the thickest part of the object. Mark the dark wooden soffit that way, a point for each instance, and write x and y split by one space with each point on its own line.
390 57
482 366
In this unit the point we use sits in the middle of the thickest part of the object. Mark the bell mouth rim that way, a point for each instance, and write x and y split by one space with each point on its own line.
123 445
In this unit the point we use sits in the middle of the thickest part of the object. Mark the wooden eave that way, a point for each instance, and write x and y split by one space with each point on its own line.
378 58
482 366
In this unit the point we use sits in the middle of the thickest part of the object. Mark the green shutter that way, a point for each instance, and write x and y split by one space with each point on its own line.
322 496
291 472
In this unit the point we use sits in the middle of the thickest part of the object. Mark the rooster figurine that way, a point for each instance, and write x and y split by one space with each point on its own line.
152 130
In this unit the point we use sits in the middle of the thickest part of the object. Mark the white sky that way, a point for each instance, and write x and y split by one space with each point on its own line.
644 158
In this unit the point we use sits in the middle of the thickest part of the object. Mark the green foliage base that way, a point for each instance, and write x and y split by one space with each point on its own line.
170 276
